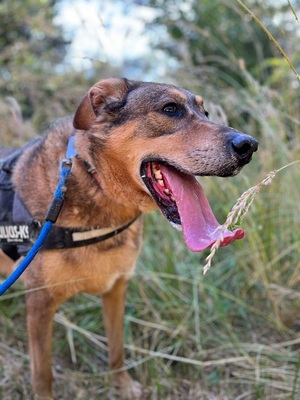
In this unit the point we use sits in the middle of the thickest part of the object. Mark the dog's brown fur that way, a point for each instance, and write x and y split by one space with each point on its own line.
118 124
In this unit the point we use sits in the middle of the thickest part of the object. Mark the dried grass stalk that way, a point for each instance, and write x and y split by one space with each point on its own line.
239 211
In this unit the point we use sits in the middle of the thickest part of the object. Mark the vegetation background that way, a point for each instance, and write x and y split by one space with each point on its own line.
235 332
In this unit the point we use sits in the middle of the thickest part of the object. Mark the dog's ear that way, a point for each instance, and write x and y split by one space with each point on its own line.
102 93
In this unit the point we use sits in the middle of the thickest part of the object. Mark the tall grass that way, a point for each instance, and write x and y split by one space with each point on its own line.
231 334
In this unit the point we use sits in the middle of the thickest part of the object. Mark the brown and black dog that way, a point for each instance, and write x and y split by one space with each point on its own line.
139 147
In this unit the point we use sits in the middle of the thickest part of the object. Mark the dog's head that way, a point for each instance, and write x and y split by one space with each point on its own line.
150 140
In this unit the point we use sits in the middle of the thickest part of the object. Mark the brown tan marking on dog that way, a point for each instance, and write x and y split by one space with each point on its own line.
145 141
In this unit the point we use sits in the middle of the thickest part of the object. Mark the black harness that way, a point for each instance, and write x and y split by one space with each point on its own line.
19 230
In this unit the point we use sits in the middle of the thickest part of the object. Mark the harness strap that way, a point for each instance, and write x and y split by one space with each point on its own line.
24 235
19 232
65 238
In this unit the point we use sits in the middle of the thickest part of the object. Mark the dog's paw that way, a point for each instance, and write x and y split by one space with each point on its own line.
132 391
128 389
45 397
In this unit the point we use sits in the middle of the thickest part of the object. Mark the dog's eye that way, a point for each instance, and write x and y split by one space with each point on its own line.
172 109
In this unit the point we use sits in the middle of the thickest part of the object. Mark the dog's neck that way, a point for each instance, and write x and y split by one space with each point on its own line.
88 205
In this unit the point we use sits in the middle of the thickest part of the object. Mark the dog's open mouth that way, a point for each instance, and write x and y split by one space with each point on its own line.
182 201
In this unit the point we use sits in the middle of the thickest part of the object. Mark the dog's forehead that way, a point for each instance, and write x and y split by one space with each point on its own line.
157 92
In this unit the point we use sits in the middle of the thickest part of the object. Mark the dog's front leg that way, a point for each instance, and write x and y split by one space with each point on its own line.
113 309
40 313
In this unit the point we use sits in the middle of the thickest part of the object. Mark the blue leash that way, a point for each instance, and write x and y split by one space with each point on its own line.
51 217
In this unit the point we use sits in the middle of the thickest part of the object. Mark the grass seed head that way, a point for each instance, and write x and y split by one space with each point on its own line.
238 212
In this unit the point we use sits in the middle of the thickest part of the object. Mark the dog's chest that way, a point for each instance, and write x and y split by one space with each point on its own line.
87 270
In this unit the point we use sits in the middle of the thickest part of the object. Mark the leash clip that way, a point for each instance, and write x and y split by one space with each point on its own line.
66 163
70 153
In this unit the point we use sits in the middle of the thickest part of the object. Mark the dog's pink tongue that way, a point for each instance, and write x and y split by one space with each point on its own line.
197 219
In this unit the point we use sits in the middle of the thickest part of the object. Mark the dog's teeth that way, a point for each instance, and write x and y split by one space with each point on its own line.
157 174
167 191
156 171
161 182
172 198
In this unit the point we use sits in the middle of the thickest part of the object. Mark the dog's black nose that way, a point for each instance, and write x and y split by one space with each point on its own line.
244 146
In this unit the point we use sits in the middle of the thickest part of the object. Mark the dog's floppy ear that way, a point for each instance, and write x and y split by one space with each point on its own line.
102 93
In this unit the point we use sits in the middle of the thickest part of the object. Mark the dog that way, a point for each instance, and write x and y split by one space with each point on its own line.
139 147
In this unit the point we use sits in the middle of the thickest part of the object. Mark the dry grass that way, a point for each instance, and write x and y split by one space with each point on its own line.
162 352
14 131
238 212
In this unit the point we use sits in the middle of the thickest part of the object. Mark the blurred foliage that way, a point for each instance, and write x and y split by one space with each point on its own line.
32 69
216 44
221 35
31 48
206 45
